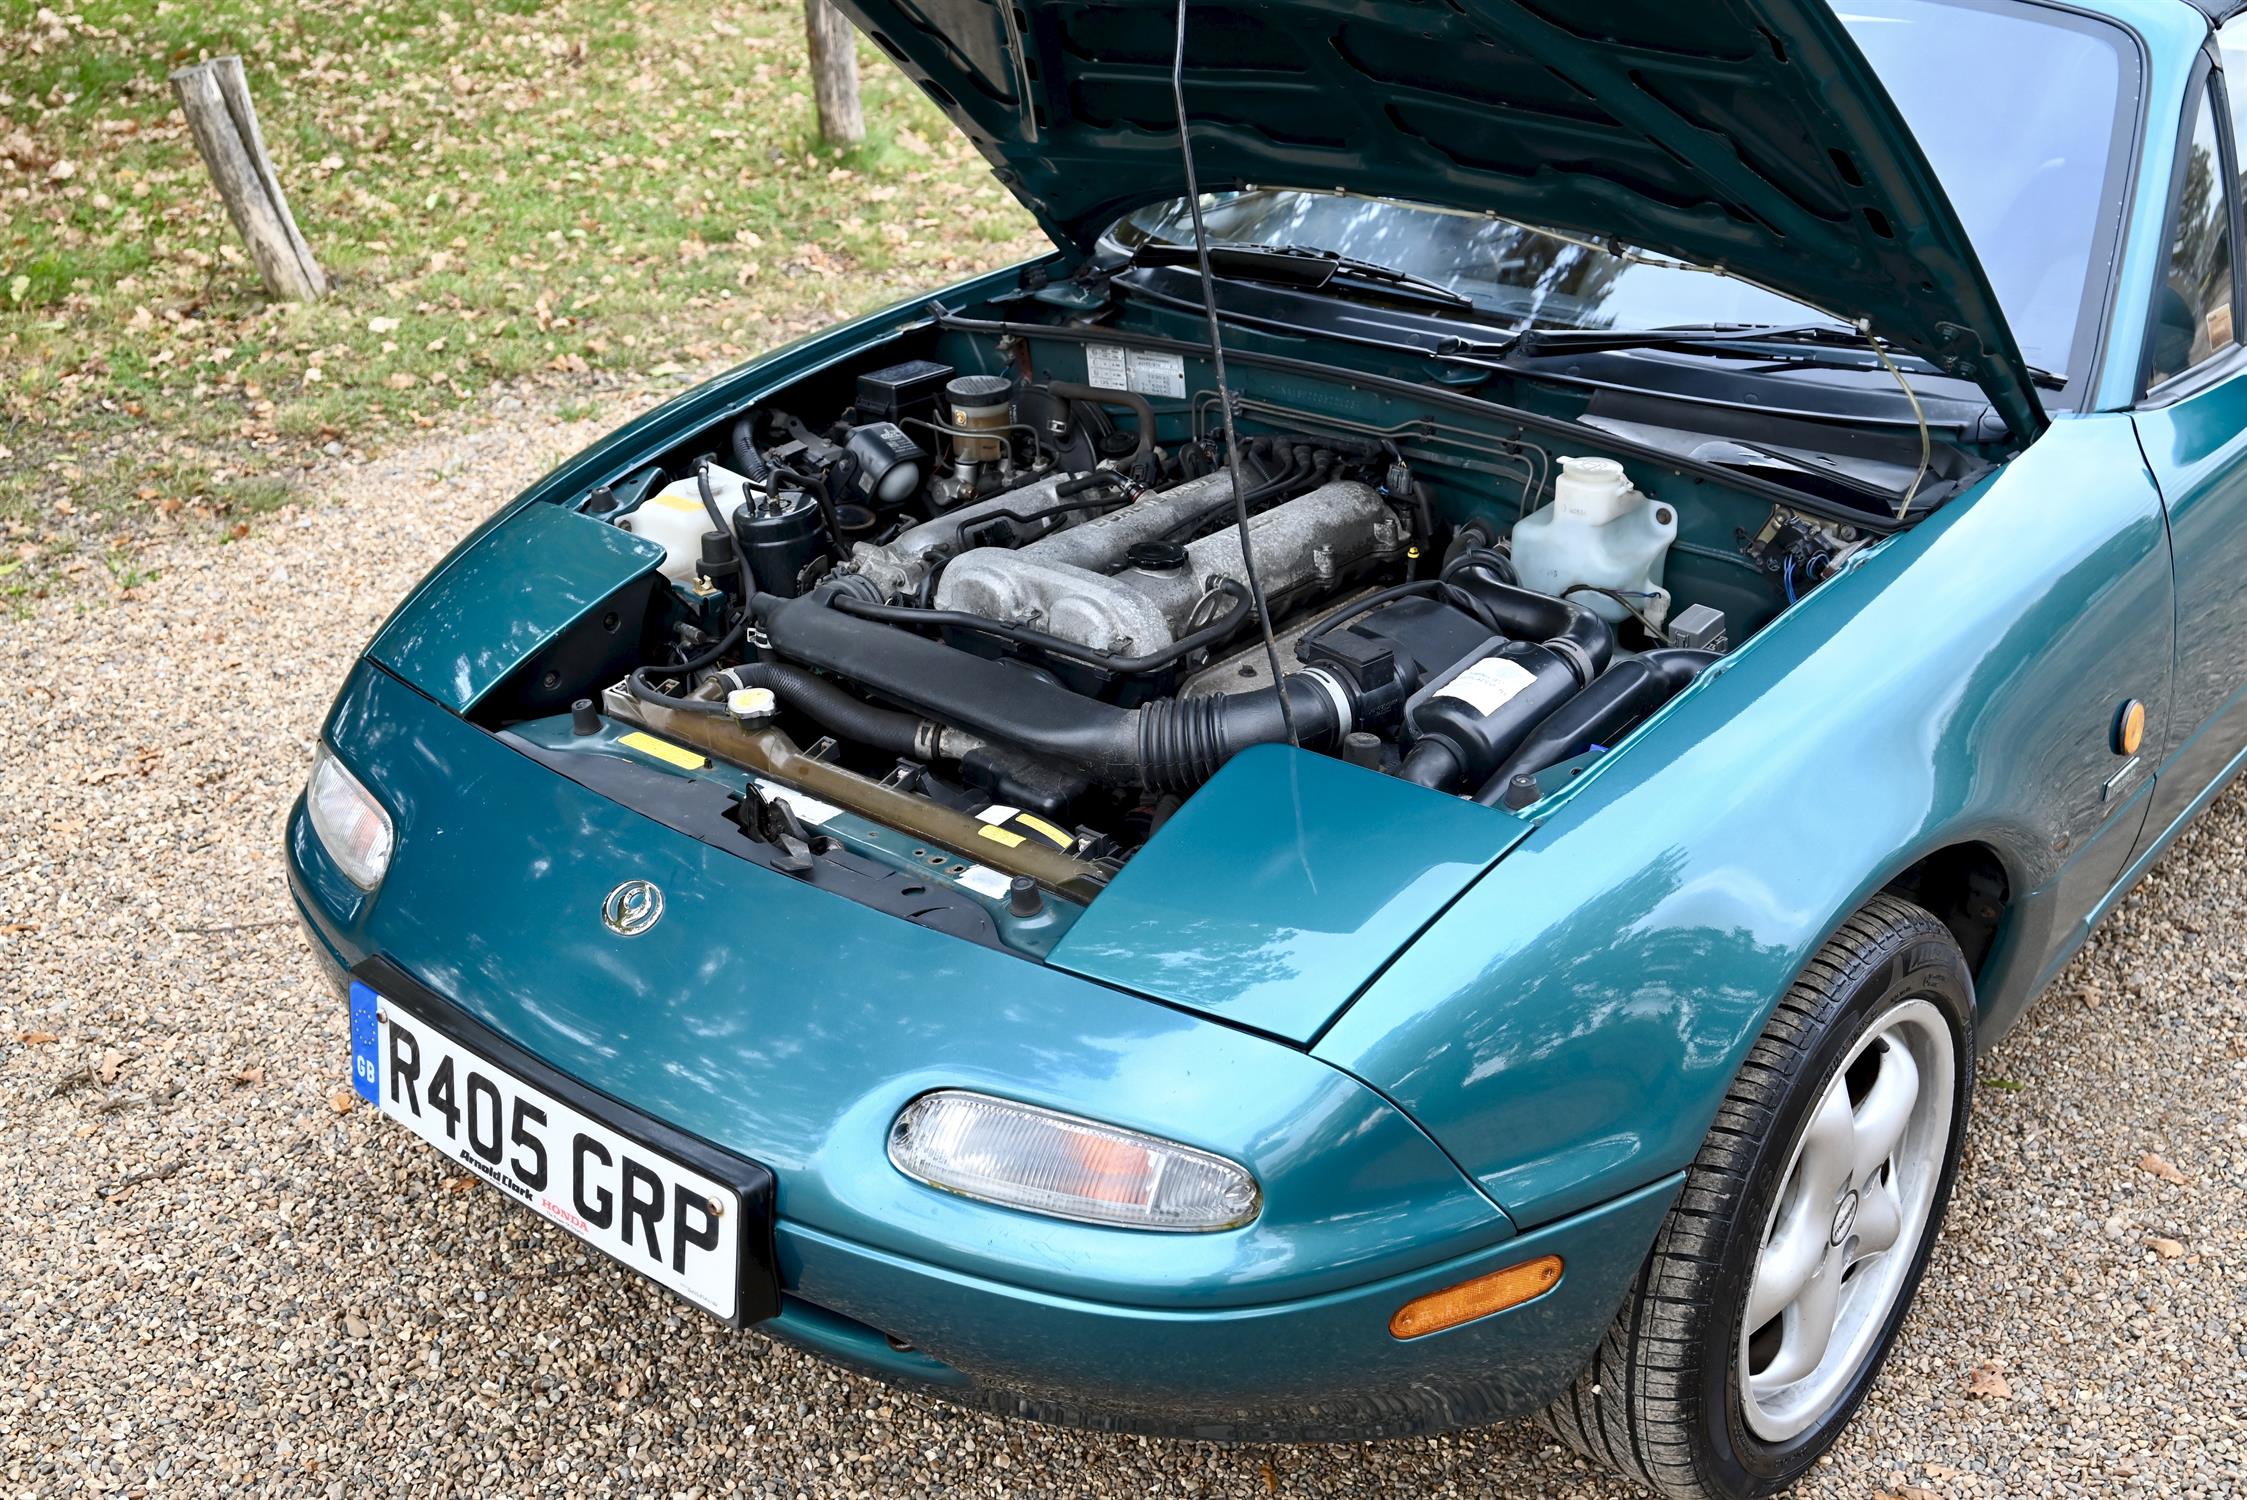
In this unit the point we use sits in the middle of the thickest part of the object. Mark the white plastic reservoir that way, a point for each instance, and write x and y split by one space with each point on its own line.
1600 531
674 519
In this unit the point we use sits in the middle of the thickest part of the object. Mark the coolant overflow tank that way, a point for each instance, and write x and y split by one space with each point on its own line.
1600 531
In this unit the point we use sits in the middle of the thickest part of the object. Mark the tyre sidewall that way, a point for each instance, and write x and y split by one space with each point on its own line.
1921 962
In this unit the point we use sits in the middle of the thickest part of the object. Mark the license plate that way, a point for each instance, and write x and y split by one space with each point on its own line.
567 1159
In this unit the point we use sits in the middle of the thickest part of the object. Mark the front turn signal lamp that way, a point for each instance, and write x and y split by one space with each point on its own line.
1478 1298
352 826
1044 1162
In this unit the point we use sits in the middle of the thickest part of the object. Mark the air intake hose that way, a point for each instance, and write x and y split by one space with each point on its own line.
1572 632
1601 713
1170 745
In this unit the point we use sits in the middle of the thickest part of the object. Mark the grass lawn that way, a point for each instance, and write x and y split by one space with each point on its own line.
527 190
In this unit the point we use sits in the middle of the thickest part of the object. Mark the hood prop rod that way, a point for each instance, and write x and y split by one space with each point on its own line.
1256 597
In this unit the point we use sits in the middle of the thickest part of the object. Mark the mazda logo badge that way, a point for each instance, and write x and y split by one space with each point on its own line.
1844 1214
632 908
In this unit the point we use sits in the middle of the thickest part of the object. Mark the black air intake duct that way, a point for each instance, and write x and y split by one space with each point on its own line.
1170 745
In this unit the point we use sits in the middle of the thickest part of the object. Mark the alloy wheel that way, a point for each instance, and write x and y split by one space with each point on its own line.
1844 1232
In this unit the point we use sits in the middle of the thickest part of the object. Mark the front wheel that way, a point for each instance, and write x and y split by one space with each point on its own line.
1784 1269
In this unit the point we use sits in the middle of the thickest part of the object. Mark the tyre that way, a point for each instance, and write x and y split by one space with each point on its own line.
1783 1271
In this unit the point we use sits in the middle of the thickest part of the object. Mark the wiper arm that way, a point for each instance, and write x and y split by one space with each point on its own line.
1532 342
1301 266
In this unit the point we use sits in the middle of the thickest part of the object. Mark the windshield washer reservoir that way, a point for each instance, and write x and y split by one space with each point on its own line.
1599 532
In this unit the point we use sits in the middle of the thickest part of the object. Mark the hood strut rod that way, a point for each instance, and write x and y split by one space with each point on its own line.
1256 597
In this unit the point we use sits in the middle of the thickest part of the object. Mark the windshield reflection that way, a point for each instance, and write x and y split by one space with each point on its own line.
2027 155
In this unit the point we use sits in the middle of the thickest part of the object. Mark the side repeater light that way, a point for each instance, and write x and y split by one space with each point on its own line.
1474 1299
2130 728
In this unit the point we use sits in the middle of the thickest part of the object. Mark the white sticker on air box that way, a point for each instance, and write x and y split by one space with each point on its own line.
1115 368
1488 685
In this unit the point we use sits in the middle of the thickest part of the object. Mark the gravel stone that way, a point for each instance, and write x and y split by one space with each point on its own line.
220 1276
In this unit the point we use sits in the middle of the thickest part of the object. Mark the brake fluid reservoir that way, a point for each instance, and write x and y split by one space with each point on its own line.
1599 530
674 519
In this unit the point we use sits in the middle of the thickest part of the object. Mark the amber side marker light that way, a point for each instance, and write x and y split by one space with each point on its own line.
2130 728
1474 1299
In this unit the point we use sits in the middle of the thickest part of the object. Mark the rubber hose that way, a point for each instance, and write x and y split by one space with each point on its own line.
885 729
746 459
1167 745
1602 713
1579 637
1101 396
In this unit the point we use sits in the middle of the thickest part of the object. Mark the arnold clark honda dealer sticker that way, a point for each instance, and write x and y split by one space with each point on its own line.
1115 368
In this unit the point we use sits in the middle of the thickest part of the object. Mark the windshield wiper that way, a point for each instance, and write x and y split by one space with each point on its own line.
1533 342
1303 266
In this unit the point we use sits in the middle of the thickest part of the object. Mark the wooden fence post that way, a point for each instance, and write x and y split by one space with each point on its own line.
215 97
834 74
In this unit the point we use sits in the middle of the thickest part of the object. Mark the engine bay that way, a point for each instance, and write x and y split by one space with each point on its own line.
1011 610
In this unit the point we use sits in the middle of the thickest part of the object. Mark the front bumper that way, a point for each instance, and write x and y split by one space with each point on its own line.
782 1024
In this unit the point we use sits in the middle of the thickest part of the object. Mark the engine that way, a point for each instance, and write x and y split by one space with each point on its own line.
992 599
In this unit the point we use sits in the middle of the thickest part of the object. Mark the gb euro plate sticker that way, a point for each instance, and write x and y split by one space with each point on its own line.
1488 685
366 1074
1115 368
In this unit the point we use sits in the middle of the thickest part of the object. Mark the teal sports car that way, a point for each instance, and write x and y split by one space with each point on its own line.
1397 788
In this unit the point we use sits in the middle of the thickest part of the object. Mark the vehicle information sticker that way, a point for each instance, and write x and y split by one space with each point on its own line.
1488 685
1113 367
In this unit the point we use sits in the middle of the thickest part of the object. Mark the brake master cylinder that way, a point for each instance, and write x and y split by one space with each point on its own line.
1600 531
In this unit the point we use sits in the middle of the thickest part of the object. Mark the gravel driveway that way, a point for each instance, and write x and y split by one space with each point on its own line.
219 1276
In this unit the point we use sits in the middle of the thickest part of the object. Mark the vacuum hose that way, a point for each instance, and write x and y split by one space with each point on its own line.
747 459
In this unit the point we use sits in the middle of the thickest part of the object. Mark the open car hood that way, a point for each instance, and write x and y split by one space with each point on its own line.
1750 135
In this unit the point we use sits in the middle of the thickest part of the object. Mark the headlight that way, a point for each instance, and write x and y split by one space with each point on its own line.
1031 1158
352 826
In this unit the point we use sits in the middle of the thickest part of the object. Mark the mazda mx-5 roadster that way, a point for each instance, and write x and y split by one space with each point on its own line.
1396 788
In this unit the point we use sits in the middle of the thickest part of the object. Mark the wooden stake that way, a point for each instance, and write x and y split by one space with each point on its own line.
834 74
215 98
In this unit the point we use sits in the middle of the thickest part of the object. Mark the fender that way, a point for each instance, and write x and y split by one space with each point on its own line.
1568 1028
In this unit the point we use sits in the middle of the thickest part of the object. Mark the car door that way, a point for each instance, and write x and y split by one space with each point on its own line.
2192 426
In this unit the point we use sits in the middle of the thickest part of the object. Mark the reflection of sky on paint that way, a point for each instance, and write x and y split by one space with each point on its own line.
2023 153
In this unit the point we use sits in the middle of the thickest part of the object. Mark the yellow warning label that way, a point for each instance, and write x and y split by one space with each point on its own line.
664 750
1037 824
1003 836
675 502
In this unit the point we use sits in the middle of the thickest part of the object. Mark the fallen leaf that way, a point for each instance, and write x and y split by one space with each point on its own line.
1985 1381
1270 1475
106 1069
36 1038
2167 1249
1942 1471
2159 1167
341 1101
254 1073
382 325
459 1184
